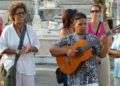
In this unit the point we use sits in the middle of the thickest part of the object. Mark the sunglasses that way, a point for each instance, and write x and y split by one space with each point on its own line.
94 11
20 13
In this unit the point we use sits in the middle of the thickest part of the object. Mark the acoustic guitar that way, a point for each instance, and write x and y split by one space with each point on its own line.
68 65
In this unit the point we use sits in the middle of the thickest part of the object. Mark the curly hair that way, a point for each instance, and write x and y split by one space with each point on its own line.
14 6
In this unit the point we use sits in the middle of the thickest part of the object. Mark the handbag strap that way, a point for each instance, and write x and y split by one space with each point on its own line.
22 36
98 28
28 37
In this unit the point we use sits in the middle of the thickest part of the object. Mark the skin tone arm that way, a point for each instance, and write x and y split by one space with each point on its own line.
23 51
29 49
104 47
57 51
9 52
108 31
106 41
114 53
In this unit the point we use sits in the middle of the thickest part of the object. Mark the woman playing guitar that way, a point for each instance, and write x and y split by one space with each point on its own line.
86 73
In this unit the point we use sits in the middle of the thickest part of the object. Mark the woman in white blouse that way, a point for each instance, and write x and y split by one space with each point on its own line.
9 42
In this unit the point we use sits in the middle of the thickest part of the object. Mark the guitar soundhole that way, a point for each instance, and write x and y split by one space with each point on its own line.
80 51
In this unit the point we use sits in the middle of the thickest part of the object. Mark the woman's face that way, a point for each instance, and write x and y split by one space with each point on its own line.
19 16
80 26
95 12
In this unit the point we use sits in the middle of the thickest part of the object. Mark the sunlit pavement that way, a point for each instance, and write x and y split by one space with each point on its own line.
45 75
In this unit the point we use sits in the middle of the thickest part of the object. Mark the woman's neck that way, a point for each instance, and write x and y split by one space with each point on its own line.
95 21
18 26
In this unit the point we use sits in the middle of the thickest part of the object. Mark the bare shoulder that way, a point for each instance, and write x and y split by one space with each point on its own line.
105 23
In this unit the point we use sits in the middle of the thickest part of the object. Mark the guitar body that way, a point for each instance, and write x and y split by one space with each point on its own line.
68 65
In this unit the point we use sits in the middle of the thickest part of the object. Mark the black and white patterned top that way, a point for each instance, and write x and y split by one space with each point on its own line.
87 73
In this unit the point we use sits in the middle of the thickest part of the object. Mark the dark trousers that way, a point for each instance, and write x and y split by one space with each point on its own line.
65 81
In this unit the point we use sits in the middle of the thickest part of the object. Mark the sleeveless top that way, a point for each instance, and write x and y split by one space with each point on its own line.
101 30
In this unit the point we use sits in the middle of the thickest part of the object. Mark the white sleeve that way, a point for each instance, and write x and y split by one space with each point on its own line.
34 38
36 41
3 40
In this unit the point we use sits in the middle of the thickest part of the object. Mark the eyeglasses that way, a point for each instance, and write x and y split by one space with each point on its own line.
20 13
94 11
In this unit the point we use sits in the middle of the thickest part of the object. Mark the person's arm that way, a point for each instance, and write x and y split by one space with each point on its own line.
114 53
104 46
29 49
107 29
108 33
34 49
56 51
9 52
33 40
3 43
106 41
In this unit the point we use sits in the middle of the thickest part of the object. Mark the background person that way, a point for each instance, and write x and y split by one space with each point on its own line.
86 74
67 21
67 29
9 42
115 53
100 28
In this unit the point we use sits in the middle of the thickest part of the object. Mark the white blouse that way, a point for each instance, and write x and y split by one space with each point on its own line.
10 39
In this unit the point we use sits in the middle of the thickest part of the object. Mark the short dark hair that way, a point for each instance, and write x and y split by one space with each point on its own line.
14 6
80 15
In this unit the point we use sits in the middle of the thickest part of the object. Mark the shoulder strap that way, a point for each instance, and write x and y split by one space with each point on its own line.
28 37
20 44
98 28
